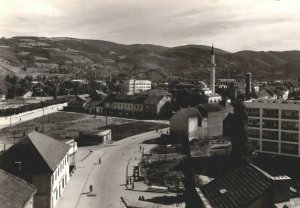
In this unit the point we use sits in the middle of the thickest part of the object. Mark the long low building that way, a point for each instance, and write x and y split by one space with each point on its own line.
274 126
143 105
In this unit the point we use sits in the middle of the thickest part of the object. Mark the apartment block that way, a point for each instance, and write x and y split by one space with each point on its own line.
274 126
135 86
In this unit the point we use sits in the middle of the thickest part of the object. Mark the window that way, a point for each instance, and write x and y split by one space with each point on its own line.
290 125
270 124
290 114
289 136
254 133
253 112
270 146
271 113
255 144
253 122
273 135
289 148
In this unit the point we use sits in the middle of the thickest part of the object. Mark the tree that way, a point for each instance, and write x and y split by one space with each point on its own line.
241 148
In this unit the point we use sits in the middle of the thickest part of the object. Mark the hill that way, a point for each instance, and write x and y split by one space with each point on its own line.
80 58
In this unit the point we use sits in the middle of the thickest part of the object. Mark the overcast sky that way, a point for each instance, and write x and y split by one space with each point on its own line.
232 25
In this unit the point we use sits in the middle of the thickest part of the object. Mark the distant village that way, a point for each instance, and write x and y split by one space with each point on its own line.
36 170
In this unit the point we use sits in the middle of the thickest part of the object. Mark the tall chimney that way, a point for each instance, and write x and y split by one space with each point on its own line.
213 70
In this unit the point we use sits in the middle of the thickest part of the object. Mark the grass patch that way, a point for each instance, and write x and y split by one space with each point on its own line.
133 128
160 173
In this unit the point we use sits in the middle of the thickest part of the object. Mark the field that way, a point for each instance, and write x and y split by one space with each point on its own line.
62 124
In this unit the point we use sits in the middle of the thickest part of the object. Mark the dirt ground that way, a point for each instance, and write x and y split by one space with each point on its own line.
62 124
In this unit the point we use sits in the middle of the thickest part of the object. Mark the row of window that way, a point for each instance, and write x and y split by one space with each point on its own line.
59 170
274 124
274 113
118 105
286 148
274 135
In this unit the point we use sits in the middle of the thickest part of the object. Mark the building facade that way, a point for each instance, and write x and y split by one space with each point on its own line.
274 126
43 162
15 192
133 86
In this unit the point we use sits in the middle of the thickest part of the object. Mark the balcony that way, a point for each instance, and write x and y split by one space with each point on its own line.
254 114
295 117
254 135
270 137
270 127
254 125
291 128
271 116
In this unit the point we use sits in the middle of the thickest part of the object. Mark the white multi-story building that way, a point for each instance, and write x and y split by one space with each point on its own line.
135 86
274 126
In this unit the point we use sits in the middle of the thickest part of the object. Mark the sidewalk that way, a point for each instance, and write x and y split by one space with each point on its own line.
74 189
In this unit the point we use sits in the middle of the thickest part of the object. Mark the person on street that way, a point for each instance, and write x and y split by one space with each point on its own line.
91 188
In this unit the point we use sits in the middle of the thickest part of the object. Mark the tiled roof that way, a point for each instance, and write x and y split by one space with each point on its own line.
51 150
189 112
209 107
14 192
153 99
238 188
121 98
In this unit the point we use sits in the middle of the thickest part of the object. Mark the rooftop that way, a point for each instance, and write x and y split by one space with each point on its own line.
14 192
52 150
278 101
238 188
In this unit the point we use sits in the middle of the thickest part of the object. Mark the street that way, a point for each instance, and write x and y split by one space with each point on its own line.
29 115
108 178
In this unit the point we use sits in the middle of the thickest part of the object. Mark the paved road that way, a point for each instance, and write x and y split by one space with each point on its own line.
108 178
29 115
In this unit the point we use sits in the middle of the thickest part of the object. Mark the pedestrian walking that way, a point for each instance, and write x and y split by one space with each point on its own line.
140 148
132 185
99 160
91 188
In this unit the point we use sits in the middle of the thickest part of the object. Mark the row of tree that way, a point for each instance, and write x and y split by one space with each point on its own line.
32 106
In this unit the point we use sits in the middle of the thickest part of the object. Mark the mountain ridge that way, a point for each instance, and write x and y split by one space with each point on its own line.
84 58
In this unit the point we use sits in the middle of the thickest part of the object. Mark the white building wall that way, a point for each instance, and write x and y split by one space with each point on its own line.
135 86
274 126
59 180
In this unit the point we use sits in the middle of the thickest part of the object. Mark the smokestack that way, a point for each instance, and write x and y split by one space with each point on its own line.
213 70
248 83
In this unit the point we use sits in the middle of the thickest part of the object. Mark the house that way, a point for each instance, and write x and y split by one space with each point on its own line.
213 116
41 161
77 105
153 105
185 124
246 186
15 192
125 105
94 106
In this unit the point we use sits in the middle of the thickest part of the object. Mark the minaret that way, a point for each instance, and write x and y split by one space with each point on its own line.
213 70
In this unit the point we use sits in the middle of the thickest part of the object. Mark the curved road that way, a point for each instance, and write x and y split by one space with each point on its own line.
108 178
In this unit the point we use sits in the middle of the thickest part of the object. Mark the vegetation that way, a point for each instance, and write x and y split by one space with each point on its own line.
32 106
242 151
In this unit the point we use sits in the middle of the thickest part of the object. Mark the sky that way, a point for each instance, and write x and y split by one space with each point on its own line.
232 25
